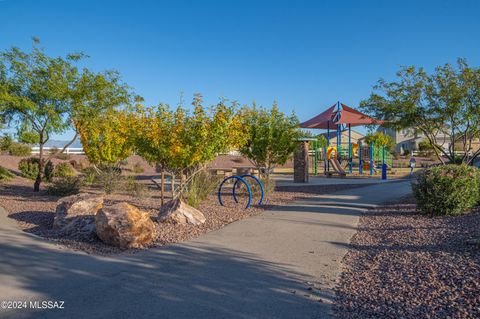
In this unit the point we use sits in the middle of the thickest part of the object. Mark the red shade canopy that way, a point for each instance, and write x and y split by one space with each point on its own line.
332 117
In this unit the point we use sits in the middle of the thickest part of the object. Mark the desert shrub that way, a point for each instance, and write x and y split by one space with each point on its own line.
64 186
137 168
89 175
199 187
48 171
109 178
63 170
134 188
6 142
19 149
29 167
447 189
5 174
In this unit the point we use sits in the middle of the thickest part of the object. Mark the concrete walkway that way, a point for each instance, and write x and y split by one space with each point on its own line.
261 267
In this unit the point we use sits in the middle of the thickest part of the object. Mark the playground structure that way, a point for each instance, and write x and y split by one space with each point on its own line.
369 158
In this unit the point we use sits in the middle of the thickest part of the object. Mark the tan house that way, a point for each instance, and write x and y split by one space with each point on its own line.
356 137
408 140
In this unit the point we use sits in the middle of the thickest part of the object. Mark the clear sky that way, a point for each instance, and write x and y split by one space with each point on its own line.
305 54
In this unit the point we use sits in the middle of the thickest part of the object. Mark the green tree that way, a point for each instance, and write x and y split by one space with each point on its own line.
42 95
271 137
444 106
182 142
380 139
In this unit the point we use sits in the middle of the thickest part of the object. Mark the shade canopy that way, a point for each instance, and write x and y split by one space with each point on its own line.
334 116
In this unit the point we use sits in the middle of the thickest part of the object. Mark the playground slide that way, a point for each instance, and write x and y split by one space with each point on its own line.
336 166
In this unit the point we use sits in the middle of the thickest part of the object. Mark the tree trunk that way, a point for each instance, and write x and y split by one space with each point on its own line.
162 188
38 180
173 185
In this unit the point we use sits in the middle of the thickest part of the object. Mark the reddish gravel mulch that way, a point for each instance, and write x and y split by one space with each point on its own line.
405 265
34 213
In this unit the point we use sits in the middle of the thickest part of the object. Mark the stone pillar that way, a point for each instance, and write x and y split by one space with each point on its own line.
300 163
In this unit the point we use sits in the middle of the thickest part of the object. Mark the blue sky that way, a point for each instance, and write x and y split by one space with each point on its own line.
304 54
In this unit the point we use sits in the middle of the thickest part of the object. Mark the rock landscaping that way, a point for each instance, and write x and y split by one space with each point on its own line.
178 212
402 264
125 226
75 214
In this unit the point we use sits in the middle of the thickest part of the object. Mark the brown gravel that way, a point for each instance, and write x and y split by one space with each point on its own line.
34 213
405 265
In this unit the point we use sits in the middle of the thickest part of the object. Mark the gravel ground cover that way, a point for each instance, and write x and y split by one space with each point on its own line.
34 212
405 265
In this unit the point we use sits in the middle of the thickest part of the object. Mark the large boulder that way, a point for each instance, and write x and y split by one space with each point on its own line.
75 214
125 226
178 212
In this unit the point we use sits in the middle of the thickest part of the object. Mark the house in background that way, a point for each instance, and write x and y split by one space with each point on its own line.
408 140
356 137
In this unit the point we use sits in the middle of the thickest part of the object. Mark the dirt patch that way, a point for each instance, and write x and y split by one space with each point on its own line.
405 265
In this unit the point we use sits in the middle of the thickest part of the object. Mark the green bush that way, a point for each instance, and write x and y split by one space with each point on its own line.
29 167
89 175
65 186
109 178
48 171
5 175
6 142
19 149
447 189
63 170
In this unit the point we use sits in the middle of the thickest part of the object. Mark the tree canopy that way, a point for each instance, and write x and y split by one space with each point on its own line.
41 95
270 136
444 106
380 139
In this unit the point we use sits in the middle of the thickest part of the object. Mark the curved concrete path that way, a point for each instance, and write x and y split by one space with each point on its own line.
280 264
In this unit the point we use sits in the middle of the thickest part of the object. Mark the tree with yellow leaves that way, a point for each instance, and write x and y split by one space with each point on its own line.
182 142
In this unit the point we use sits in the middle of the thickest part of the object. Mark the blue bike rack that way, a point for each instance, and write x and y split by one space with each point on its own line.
242 179
258 182
237 178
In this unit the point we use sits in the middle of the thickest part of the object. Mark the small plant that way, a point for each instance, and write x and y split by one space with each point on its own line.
6 142
29 167
447 189
19 149
109 178
89 175
5 175
65 186
63 170
138 190
199 187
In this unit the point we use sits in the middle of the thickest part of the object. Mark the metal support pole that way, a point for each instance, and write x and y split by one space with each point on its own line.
360 160
339 134
324 160
328 144
350 150
372 162
384 165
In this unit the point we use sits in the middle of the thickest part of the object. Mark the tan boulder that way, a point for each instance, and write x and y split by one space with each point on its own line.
75 214
125 226
178 212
